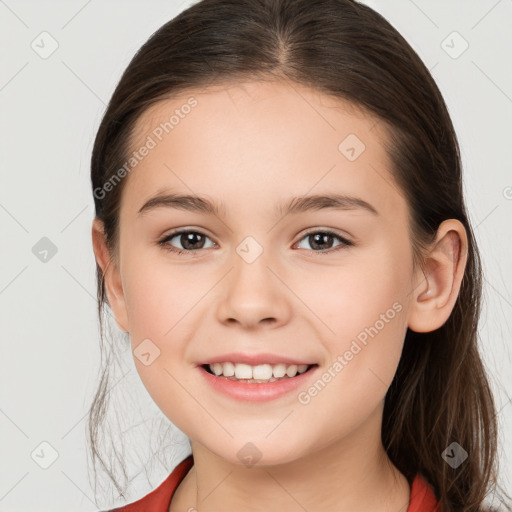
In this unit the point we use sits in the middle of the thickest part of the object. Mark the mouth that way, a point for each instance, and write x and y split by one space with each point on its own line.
260 382
258 374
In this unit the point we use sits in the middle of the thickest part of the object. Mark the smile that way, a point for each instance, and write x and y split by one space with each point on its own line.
259 373
256 383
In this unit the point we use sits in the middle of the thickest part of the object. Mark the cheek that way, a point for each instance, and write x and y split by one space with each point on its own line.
353 296
160 295
160 300
364 306
363 353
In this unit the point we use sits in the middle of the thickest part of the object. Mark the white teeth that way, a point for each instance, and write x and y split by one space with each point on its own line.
243 371
216 368
228 369
279 370
291 371
302 368
262 372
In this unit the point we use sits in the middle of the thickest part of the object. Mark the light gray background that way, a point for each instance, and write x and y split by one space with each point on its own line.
50 109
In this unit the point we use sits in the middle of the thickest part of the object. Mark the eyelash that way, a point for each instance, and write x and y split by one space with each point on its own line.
163 243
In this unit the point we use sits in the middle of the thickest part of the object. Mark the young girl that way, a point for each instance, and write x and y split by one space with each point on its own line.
280 228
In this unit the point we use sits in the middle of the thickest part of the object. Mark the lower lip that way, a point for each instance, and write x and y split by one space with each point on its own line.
253 391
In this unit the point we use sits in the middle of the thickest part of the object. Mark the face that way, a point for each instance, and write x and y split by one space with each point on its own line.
326 284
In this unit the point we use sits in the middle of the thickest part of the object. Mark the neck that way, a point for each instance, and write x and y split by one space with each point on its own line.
351 474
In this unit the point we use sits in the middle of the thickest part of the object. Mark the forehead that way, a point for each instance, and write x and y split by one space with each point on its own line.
246 143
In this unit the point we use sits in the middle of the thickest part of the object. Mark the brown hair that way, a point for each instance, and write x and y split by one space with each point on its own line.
440 393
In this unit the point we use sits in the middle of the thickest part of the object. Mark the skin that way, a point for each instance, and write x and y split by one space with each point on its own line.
254 145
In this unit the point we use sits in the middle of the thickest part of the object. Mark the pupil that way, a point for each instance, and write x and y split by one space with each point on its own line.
188 238
319 237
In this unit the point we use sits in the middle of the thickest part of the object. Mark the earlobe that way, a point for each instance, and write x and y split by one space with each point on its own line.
112 276
433 300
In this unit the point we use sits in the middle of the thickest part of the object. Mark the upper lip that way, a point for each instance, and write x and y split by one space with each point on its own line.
252 359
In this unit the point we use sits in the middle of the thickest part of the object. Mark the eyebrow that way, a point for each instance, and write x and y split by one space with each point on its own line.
300 204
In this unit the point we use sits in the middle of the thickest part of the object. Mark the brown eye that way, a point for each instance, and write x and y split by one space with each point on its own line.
190 241
321 241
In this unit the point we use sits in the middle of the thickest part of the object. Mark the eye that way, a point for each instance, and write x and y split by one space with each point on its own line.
322 239
191 241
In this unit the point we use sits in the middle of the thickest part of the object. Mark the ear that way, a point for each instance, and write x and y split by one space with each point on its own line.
434 298
112 275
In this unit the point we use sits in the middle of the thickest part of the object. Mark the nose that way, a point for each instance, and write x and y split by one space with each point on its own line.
253 295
